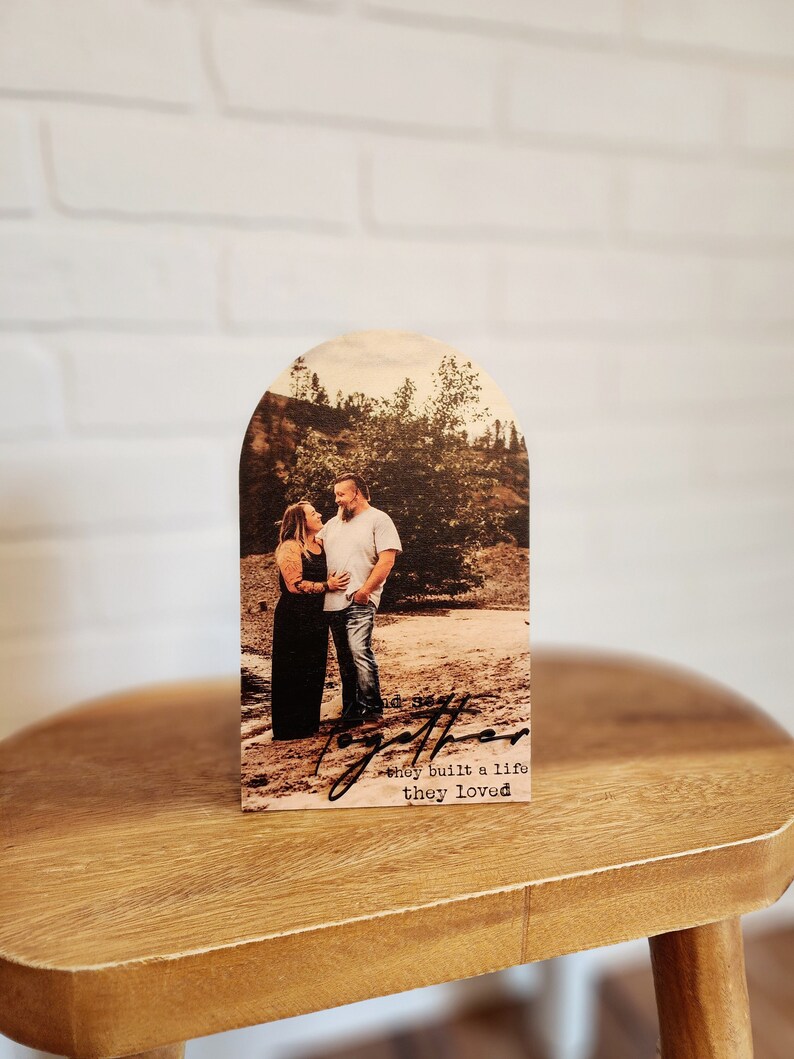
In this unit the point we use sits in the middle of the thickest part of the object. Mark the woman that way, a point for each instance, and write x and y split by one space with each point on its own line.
300 629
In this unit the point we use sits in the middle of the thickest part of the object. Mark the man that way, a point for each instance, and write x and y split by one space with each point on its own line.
362 541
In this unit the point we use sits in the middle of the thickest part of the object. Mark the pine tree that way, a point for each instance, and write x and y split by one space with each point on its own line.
513 444
319 394
299 379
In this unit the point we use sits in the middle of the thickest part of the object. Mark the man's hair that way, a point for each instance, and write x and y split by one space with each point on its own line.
360 484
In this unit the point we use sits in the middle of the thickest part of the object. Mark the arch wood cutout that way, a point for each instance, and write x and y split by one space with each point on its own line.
384 532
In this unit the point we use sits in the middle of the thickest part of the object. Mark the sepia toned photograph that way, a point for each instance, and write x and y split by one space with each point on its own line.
384 533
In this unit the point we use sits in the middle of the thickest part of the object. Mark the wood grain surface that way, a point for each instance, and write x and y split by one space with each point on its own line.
139 906
701 993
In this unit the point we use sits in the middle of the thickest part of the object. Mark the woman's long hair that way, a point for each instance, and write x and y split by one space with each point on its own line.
293 527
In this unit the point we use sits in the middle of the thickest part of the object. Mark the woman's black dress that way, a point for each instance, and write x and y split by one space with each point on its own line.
300 655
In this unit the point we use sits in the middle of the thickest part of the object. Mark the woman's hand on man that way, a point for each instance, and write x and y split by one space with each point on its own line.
336 582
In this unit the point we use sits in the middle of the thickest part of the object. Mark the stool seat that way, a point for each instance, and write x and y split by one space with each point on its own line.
139 906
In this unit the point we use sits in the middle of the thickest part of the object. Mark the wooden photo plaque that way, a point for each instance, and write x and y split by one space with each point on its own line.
384 574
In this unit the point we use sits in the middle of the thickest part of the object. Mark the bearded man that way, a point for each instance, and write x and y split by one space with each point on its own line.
362 541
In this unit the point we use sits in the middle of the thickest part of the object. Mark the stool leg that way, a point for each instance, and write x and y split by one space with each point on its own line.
701 993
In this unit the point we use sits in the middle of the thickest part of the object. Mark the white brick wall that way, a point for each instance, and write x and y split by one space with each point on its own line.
764 27
103 380
31 402
134 50
16 152
757 291
467 188
592 198
686 201
72 484
573 16
194 572
576 376
40 673
764 117
611 97
352 284
201 168
57 273
43 578
602 286
723 379
275 62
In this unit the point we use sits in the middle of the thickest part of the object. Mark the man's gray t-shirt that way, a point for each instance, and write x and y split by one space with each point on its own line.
353 547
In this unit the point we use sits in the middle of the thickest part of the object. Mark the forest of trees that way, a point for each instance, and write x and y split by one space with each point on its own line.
448 493
305 386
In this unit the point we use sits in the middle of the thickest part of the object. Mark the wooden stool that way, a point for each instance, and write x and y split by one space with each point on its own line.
139 906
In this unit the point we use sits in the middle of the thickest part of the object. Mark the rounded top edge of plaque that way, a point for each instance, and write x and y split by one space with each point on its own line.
377 362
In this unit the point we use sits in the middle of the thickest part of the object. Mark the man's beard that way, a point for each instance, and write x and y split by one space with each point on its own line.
345 513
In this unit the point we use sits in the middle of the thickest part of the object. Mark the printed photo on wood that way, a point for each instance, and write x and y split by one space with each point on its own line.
384 582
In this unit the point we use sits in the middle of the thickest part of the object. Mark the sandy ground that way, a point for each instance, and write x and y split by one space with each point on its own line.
482 652
505 587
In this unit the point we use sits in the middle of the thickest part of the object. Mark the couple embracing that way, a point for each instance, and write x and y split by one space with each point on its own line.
358 546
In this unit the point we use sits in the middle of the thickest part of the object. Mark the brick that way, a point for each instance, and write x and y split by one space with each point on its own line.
476 188
351 284
764 115
175 382
600 96
574 16
289 63
193 574
764 27
757 291
45 674
62 275
40 587
748 379
30 391
123 49
685 200
551 285
16 154
73 484
203 168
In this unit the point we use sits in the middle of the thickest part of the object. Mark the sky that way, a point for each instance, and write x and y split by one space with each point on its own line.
377 362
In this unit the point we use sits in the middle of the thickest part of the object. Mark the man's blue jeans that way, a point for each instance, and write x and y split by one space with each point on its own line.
352 632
